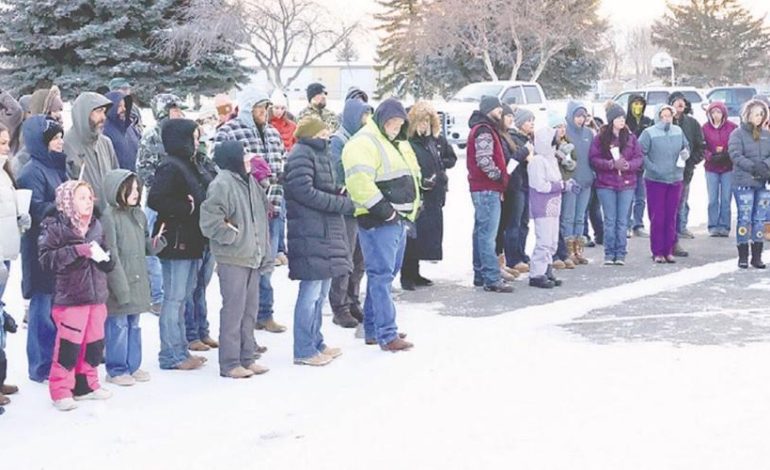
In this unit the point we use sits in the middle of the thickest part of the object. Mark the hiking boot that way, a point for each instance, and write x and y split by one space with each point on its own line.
191 363
507 276
680 252
408 284
542 282
4 400
551 277
258 369
357 312
396 345
559 264
100 393
210 342
156 308
569 264
200 359
344 319
271 326
334 353
141 375
500 287
756 255
9 389
318 360
422 281
686 234
522 268
639 232
373 341
65 404
743 255
124 380
198 345
238 373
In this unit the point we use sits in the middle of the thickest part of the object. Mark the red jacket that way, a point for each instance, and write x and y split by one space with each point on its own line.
478 179
286 128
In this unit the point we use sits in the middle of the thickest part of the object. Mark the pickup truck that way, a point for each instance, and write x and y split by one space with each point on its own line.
658 95
458 109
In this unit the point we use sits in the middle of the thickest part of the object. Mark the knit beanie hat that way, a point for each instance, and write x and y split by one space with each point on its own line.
556 119
308 127
614 111
52 129
315 89
355 93
489 103
507 110
521 116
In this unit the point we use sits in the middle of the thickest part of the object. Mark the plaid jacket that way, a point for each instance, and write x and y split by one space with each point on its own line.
270 148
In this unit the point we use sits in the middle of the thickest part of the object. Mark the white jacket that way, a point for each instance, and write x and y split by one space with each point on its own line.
10 238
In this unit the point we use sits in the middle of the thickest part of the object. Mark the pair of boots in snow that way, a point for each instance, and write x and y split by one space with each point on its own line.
756 255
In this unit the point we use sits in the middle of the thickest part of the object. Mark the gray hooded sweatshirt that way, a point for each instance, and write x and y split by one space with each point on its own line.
88 149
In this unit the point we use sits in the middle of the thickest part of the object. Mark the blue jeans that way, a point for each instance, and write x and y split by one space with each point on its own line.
179 278
265 284
41 335
308 340
122 344
486 217
153 263
196 310
282 228
752 206
636 212
615 206
719 189
573 212
518 228
383 248
684 209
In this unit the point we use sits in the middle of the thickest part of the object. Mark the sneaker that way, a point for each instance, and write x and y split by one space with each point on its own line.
257 369
141 375
359 331
620 262
124 380
100 393
397 345
640 232
198 345
210 342
238 373
156 308
500 287
724 233
609 261
65 404
318 360
271 326
541 282
686 234
334 353
659 259
714 233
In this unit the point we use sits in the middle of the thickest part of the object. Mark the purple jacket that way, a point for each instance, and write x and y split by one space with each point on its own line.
607 177
79 280
717 162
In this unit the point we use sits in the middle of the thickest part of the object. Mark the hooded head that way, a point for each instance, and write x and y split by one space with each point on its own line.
78 212
423 111
659 123
522 116
117 189
353 115
34 130
574 109
555 120
389 109
26 104
162 103
229 156
81 116
355 93
720 106
746 113
247 99
636 107
47 101
678 95
544 141
115 98
11 113
178 138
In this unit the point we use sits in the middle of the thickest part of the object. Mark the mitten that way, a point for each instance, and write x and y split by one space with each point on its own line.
24 221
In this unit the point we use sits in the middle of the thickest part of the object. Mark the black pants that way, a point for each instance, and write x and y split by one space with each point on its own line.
410 269
595 216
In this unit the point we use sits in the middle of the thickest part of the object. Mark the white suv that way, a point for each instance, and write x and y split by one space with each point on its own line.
659 95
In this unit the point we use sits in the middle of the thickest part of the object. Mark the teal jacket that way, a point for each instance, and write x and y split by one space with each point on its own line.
661 145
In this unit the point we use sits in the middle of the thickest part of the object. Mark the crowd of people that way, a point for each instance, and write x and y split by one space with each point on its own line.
125 220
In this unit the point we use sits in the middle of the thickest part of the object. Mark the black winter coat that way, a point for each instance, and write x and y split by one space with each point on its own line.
317 236
519 180
177 178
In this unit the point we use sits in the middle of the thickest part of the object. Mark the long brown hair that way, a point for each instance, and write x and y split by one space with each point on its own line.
606 135
7 166
124 190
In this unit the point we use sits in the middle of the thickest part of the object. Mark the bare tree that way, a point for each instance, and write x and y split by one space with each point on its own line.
277 32
614 54
640 50
347 51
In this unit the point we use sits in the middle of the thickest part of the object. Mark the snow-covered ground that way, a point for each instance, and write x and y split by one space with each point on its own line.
514 390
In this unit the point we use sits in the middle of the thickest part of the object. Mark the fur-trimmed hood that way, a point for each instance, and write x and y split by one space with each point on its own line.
750 104
418 112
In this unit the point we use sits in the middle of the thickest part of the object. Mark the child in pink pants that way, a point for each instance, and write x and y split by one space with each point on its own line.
72 246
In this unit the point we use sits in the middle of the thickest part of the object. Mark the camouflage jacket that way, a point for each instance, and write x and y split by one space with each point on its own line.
331 119
151 152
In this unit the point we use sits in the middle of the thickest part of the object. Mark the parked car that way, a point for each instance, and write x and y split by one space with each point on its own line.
458 109
733 97
659 95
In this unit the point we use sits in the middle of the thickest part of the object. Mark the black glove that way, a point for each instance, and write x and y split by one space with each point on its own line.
720 158
9 324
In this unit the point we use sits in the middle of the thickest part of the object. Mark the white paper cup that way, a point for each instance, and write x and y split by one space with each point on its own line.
23 199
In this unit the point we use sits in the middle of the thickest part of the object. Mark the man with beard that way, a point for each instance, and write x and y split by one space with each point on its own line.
90 154
316 96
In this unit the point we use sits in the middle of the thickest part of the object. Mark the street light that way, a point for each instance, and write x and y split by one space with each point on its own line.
662 60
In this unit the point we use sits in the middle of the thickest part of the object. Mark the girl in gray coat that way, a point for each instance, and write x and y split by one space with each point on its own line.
749 149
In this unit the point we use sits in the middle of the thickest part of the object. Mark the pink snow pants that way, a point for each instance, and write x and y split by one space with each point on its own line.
78 350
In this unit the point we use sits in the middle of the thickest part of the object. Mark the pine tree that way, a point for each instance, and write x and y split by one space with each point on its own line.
713 41
82 44
397 53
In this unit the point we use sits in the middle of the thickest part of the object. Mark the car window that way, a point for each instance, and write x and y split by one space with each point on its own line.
742 95
719 95
473 92
692 97
513 95
533 94
655 98
622 99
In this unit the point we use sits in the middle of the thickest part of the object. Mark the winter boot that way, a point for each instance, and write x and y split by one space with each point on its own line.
569 264
572 250
756 255
743 255
210 342
271 326
197 345
318 360
579 245
356 311
500 287
396 345
258 369
239 372
344 319
559 264
333 353
542 282
551 277
408 284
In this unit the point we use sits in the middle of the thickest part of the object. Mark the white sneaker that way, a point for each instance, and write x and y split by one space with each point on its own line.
100 393
124 380
141 376
65 404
